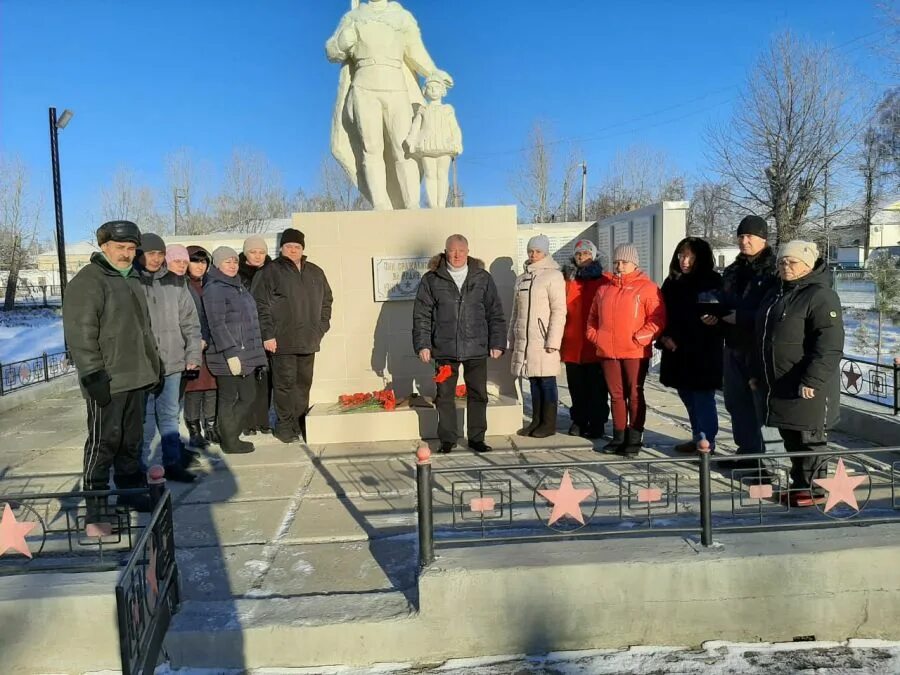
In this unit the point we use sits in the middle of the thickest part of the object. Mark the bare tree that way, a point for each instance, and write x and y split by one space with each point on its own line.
124 199
19 218
251 194
184 196
336 192
887 132
532 184
790 122
712 215
637 176
871 170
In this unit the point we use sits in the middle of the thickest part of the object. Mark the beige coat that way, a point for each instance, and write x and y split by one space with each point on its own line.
538 319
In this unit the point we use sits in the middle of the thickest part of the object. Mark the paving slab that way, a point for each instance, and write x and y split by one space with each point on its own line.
229 523
346 567
250 483
220 572
50 462
362 477
348 519
268 452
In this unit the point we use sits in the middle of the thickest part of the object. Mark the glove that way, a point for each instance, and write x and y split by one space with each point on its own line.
97 387
234 365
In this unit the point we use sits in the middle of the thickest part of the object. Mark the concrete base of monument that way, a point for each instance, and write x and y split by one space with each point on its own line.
59 623
328 424
830 584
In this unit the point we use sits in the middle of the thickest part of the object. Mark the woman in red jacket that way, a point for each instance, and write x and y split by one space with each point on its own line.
627 315
587 386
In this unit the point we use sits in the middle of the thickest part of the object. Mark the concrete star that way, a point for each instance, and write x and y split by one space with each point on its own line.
12 533
566 500
841 487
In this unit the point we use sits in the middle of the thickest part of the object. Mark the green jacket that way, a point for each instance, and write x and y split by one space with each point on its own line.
107 327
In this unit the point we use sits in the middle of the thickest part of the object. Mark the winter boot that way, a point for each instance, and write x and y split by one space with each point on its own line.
687 446
633 442
178 474
196 434
98 512
547 427
136 502
238 448
618 440
286 434
575 430
536 411
212 433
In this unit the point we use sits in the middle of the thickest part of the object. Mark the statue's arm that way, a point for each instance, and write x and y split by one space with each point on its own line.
339 46
416 54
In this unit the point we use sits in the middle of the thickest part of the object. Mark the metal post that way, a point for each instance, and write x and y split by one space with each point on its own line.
896 384
426 523
57 204
583 189
705 495
156 481
175 205
46 368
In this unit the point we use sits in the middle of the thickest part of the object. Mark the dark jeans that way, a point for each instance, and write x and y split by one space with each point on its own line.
590 404
235 398
701 410
802 468
746 407
625 379
543 389
200 405
475 377
292 376
114 439
258 416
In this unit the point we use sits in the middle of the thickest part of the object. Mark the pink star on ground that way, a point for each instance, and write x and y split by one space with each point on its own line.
13 533
841 487
566 500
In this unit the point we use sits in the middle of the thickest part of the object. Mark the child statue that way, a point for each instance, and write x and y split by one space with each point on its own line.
435 138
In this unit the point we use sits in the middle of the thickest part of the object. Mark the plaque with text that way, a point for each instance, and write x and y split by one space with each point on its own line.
398 277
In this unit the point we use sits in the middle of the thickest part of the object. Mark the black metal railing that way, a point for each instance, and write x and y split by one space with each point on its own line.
698 496
868 380
17 375
29 295
147 593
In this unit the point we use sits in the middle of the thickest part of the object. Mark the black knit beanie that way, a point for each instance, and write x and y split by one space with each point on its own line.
754 225
292 236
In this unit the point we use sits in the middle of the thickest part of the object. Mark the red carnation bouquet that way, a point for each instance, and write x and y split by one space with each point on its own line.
383 399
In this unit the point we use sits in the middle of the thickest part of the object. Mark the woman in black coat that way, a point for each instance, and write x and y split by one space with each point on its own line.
254 257
235 346
800 335
692 350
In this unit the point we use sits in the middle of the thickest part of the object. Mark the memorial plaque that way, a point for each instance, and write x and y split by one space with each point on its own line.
642 237
398 277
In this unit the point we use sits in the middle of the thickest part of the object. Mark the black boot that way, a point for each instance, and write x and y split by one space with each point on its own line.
212 433
618 440
633 443
137 502
196 434
239 448
536 411
547 427
98 512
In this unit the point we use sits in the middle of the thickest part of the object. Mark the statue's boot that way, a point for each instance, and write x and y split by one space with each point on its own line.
408 177
373 166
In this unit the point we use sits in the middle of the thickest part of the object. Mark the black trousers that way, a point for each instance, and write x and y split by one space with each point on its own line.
235 399
802 468
258 415
590 397
200 405
115 438
475 377
292 376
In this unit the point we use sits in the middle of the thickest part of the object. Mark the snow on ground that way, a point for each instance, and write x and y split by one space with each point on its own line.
26 333
872 657
890 335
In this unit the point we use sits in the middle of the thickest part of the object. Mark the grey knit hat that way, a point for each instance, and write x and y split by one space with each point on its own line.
628 253
255 241
222 254
539 243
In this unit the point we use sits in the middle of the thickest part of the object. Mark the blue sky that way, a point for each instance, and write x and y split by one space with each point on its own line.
146 78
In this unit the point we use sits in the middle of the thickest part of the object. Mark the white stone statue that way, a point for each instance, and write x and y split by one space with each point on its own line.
435 138
381 51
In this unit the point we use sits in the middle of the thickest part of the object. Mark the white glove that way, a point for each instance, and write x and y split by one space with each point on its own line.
234 365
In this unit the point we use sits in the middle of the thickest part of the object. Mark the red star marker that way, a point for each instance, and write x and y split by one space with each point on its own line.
566 500
12 533
841 487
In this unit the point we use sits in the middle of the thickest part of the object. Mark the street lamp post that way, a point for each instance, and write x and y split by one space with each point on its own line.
55 125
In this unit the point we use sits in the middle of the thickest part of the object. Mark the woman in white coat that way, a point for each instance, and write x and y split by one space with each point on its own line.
535 334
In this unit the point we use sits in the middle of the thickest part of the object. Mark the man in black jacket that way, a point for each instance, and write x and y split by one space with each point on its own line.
294 302
458 320
745 282
107 329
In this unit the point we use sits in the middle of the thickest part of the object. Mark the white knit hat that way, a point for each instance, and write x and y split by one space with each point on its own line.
806 251
539 243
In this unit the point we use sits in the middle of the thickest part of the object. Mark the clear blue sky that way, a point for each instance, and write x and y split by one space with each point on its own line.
146 78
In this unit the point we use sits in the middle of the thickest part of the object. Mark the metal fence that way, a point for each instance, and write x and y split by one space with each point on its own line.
17 375
877 383
28 295
626 497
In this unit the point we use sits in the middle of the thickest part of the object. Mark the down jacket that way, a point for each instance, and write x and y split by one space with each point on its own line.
745 283
581 287
627 315
233 324
173 318
538 319
800 338
454 325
